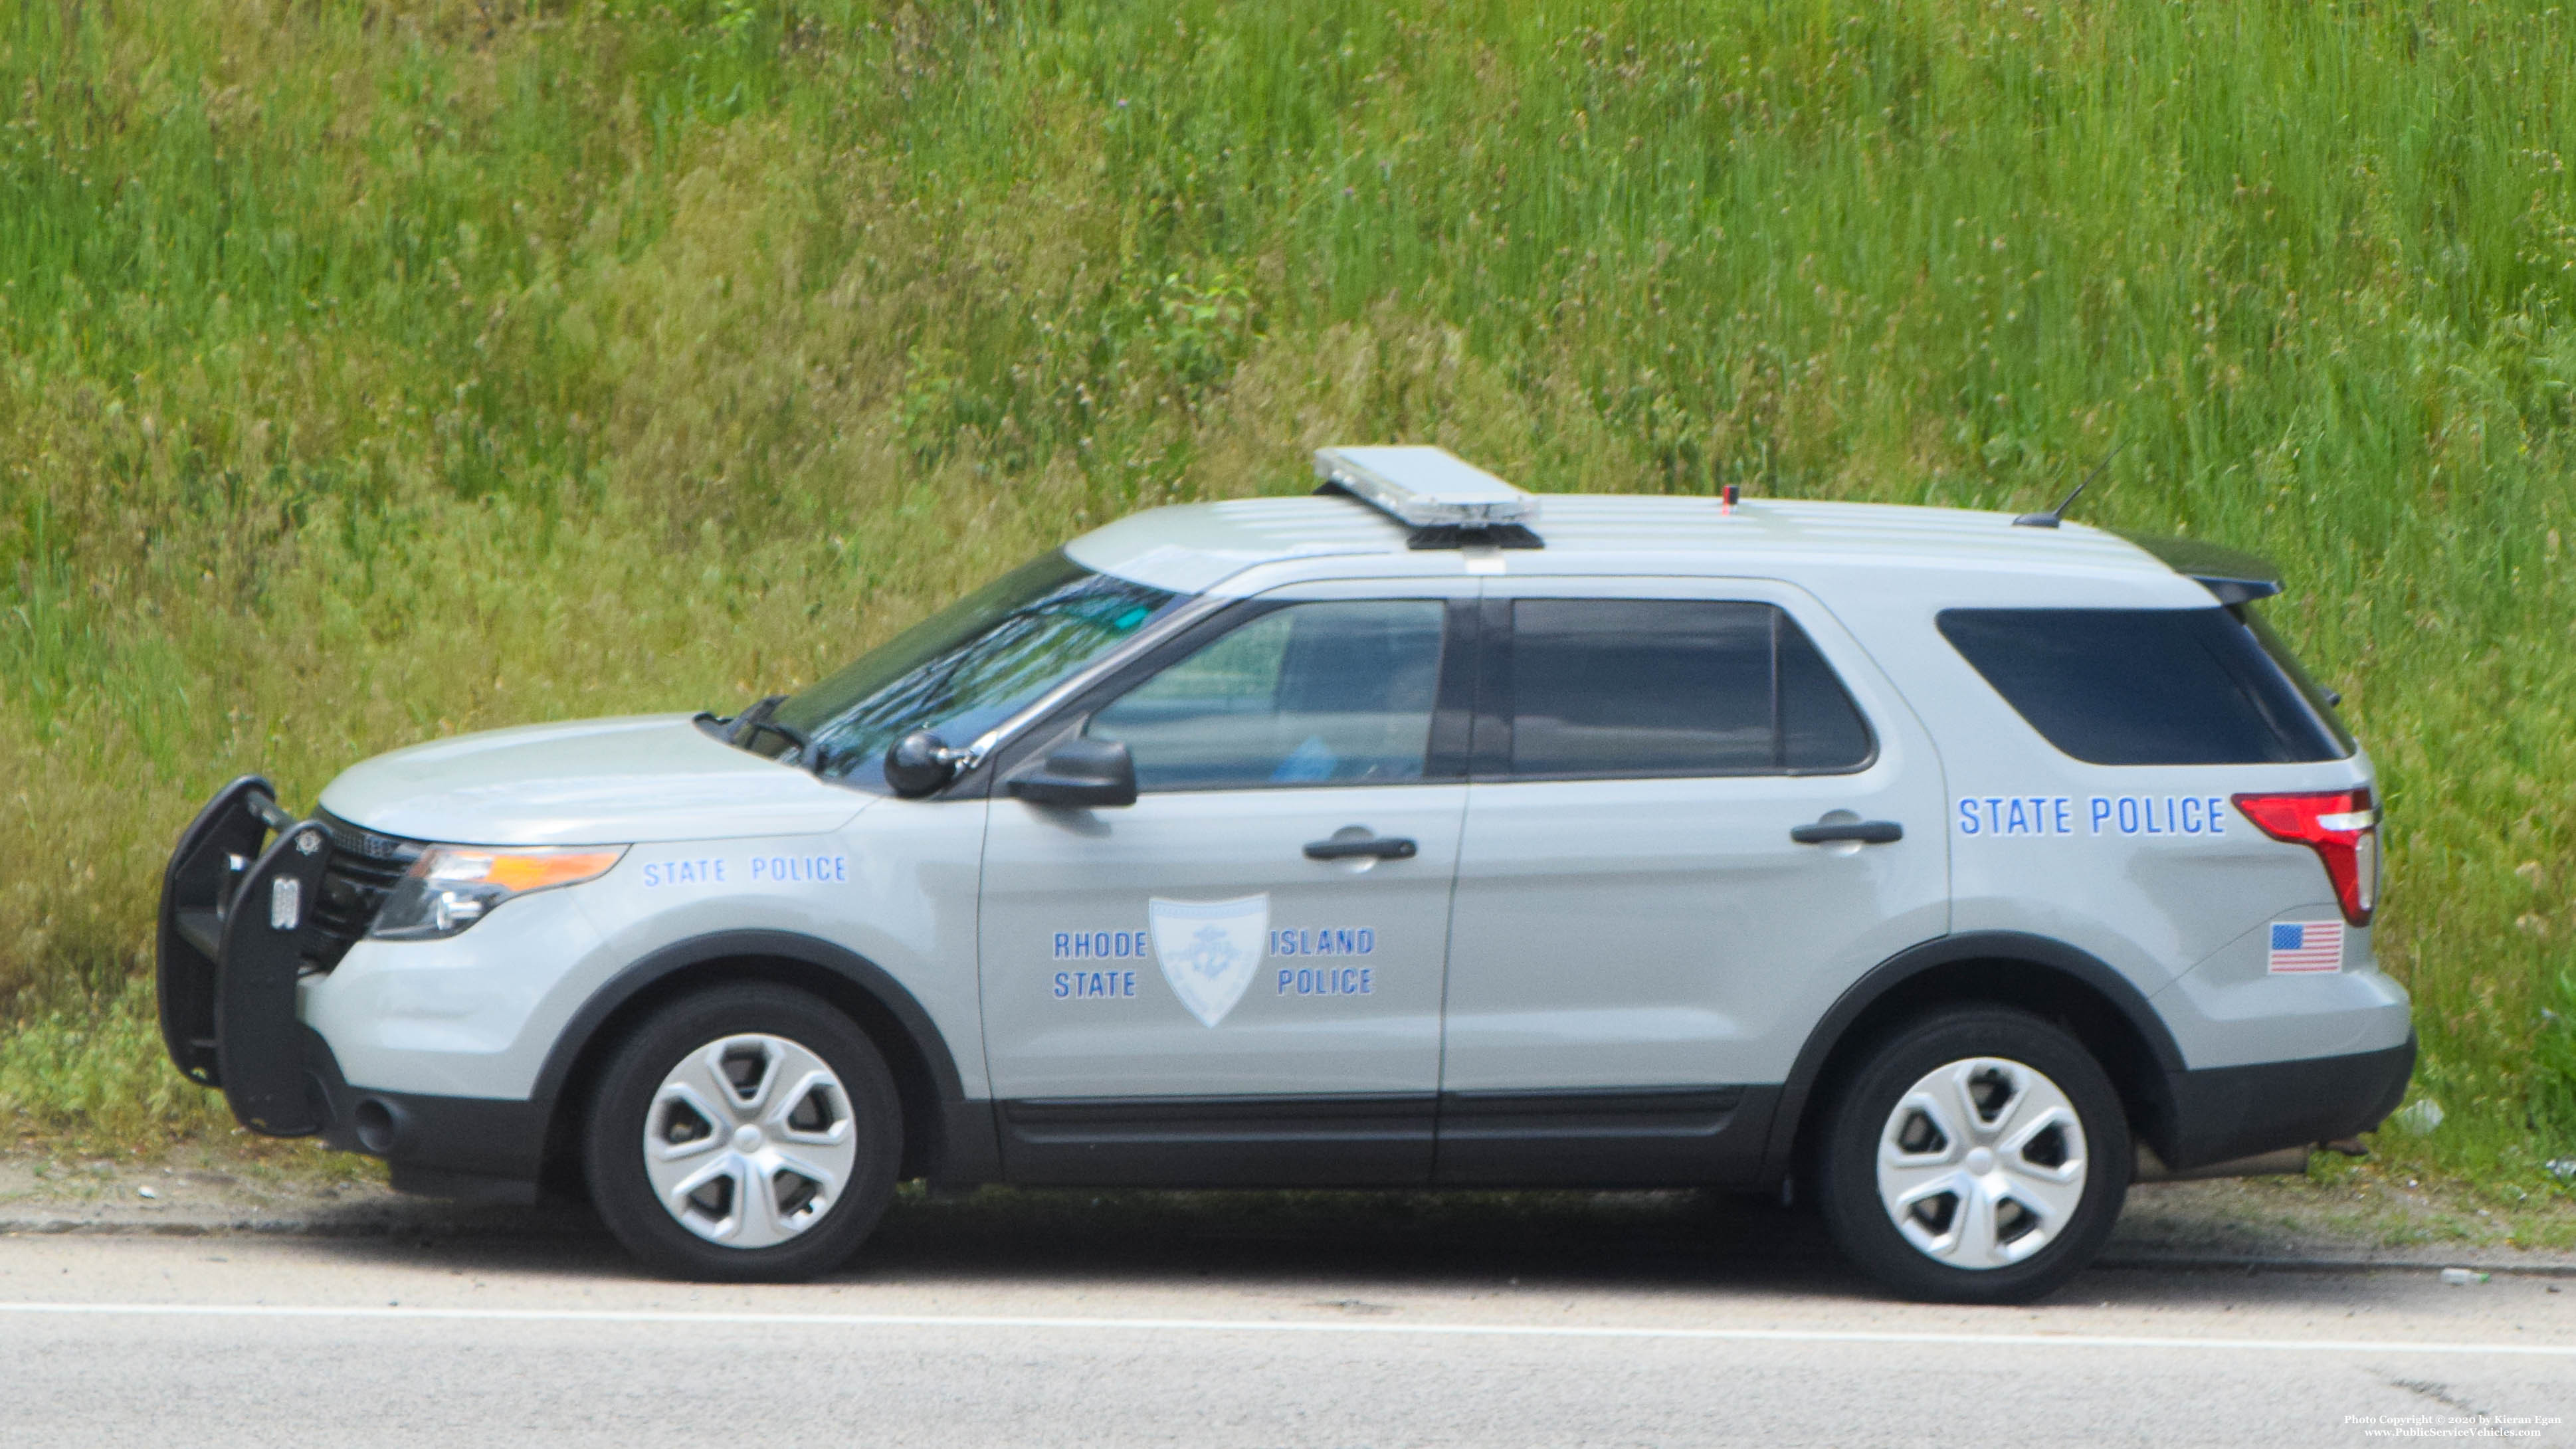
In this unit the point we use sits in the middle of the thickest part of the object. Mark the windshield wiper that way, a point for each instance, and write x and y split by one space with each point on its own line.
804 745
747 724
747 727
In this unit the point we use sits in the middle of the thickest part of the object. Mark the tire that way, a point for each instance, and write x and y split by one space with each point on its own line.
704 1177
1908 1200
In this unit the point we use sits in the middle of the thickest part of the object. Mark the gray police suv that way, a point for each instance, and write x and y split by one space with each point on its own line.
1421 833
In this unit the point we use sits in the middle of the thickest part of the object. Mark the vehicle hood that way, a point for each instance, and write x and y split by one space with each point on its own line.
590 782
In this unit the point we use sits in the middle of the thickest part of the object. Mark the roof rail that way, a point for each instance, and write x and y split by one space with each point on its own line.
1446 501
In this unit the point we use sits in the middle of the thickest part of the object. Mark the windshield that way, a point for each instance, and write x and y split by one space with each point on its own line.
970 666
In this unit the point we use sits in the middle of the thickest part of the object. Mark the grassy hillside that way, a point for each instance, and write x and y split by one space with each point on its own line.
370 371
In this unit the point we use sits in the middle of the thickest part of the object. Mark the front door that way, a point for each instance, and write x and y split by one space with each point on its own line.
1640 943
1238 978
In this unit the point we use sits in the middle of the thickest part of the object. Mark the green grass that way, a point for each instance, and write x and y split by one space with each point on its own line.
374 371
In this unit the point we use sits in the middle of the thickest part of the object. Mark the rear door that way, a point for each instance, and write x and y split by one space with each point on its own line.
1640 943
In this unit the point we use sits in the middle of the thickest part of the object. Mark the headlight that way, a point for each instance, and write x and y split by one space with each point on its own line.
452 886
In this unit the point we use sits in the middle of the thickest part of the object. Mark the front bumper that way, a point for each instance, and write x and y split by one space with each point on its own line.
233 942
241 920
479 1149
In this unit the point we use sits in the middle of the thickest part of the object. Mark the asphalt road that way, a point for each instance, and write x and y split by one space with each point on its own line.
1186 1322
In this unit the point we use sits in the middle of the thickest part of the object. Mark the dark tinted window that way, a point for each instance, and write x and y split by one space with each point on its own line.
1673 687
2319 701
1819 728
2143 686
1312 694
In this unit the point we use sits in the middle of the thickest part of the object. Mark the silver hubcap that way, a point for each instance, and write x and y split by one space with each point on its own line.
749 1141
1982 1163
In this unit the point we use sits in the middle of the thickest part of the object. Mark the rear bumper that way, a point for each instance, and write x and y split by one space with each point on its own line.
2222 1113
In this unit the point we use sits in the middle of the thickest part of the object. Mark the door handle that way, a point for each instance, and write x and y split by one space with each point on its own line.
1867 832
1383 847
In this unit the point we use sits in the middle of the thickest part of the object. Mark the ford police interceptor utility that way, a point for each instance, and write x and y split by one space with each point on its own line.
1420 833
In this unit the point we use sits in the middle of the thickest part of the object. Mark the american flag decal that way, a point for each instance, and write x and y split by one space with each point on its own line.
2307 946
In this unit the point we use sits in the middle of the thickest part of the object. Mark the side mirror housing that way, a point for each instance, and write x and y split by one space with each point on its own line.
920 764
1080 774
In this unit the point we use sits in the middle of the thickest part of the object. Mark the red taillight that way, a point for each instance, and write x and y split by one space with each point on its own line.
2343 829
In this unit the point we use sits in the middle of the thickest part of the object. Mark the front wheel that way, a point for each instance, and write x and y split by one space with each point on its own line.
748 1133
1978 1156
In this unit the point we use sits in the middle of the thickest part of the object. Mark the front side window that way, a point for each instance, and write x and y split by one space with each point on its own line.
1310 694
1611 687
972 665
2144 686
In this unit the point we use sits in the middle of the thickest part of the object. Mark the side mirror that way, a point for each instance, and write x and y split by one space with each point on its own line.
919 764
1081 774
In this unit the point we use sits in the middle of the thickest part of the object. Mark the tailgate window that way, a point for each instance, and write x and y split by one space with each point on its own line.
2145 686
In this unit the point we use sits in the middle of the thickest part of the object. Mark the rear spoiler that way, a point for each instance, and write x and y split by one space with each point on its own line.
2235 576
2239 578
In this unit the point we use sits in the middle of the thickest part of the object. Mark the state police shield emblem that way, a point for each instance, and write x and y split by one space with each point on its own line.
1210 950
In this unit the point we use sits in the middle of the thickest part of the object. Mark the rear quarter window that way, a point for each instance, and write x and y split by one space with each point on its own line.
2144 686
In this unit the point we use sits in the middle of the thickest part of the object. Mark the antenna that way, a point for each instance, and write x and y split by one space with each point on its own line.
2057 515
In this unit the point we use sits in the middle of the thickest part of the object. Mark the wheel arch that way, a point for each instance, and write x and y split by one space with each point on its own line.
2096 1004
947 1136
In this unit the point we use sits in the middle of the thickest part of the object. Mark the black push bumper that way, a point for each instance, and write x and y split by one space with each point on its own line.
238 923
243 915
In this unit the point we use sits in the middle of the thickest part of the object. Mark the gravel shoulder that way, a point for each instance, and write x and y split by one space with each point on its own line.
2356 1215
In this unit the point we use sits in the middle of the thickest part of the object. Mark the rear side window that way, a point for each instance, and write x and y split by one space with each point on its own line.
1674 687
2143 686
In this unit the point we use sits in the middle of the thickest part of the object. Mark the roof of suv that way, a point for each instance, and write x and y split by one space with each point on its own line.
1197 547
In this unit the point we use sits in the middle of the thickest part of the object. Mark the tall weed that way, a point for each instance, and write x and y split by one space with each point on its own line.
370 372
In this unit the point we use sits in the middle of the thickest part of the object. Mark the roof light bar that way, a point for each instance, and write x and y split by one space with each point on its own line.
1447 501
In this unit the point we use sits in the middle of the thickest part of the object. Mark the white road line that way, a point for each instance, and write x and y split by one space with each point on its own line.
394 1313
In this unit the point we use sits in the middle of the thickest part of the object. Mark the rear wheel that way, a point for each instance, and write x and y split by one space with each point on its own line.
1978 1156
749 1133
